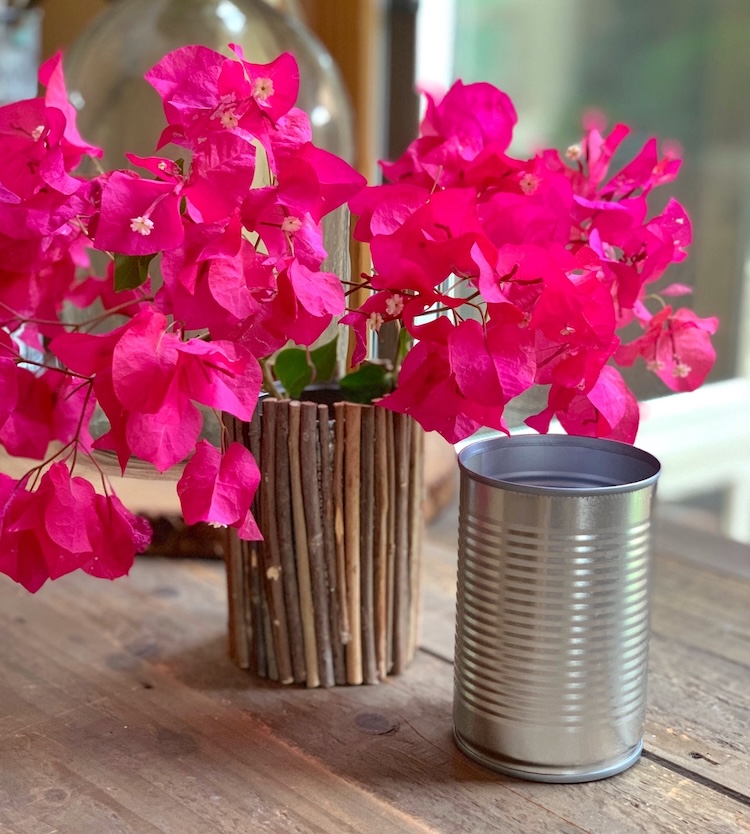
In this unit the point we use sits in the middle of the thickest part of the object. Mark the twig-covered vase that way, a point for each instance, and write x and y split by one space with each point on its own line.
330 596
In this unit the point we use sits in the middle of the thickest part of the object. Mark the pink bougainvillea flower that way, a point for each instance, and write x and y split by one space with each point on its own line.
382 213
643 173
311 184
284 232
428 391
165 436
455 130
205 94
86 353
609 409
472 365
44 532
74 146
219 488
215 280
137 216
187 80
676 346
317 181
144 362
300 309
60 527
578 311
117 537
148 358
511 345
378 309
30 136
433 243
221 174
273 87
597 153
27 430
221 375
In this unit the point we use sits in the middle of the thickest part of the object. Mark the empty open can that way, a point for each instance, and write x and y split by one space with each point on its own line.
553 605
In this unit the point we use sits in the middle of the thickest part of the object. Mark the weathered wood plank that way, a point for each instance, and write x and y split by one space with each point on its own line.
123 746
128 686
701 547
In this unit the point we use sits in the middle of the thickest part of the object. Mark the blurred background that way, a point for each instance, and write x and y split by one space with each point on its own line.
677 69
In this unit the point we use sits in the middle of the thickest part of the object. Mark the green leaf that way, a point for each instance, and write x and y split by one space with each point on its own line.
367 383
405 344
324 360
131 271
293 371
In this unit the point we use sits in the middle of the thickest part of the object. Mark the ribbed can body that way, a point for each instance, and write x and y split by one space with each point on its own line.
553 607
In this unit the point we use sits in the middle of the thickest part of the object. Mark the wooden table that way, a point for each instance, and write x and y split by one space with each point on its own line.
120 712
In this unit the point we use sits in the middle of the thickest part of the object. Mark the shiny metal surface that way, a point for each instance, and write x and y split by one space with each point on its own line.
553 605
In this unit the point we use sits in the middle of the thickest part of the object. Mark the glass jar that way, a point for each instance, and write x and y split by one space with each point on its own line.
120 112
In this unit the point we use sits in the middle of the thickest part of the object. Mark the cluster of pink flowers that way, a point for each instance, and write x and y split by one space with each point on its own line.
513 273
508 274
239 236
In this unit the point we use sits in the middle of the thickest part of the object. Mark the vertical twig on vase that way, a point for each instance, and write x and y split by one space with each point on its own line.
283 505
309 441
306 605
269 549
329 541
352 475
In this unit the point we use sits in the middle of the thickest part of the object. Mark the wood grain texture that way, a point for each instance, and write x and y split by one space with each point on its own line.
120 711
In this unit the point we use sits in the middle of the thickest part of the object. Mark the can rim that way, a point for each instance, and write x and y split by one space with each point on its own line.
545 447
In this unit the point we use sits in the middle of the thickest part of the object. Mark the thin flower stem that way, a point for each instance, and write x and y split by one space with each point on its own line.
655 297
355 288
452 287
37 470
65 371
269 383
79 427
28 320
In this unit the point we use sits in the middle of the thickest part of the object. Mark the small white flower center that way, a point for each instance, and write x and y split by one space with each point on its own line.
529 183
229 119
217 525
290 225
142 225
375 321
394 305
573 153
681 370
37 132
262 89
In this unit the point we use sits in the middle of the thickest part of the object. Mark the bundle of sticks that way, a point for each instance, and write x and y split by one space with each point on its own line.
331 595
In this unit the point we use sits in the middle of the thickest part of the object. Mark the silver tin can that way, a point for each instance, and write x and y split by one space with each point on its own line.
553 605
